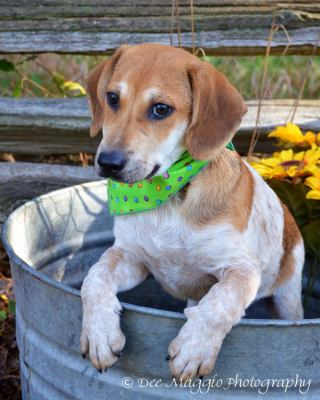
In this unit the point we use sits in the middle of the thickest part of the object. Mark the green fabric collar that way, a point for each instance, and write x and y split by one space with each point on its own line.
146 194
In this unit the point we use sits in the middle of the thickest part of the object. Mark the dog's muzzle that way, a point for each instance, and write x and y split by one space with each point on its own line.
111 163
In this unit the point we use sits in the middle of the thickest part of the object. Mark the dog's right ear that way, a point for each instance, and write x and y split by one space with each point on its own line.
95 100
217 110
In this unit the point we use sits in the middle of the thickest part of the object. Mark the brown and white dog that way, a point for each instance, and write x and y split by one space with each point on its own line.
223 242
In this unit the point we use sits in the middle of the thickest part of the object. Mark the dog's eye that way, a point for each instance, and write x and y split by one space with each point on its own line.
160 111
113 100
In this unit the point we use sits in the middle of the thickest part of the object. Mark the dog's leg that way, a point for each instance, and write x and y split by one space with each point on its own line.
287 296
194 351
101 335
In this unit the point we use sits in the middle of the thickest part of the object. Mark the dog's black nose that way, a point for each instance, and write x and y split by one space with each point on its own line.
111 162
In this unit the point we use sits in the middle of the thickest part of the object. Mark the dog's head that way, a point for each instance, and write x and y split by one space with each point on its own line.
153 102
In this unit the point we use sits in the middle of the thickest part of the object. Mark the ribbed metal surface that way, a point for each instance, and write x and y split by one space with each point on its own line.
52 242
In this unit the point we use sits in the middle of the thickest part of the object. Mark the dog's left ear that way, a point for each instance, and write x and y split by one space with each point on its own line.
95 98
217 111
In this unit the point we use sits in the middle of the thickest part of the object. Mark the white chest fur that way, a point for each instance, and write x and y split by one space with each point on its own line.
184 257
166 244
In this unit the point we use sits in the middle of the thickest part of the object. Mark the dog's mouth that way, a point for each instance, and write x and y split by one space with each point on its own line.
154 171
121 177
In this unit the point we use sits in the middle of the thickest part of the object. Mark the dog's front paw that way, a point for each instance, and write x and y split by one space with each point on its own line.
102 337
193 352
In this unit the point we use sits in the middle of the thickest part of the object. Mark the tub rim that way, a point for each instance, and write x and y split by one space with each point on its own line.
19 262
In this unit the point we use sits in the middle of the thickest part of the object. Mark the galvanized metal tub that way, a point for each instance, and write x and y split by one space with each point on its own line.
52 242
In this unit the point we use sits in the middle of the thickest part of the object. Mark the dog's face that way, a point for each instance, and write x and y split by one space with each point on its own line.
152 103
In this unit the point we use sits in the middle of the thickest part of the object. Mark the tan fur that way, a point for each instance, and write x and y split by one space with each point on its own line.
150 75
116 256
231 203
291 237
96 100
216 104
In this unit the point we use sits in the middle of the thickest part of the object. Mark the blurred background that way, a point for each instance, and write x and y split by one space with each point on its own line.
44 74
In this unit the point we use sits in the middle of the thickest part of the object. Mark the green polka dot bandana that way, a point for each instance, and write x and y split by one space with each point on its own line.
146 194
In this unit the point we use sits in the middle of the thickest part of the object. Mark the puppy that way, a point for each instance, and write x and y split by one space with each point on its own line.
223 241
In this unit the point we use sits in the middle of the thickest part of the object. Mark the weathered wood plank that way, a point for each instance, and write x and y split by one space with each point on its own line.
155 24
61 126
151 3
231 42
48 8
287 15
222 26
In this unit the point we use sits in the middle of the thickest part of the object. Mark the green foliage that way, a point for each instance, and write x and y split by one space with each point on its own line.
6 65
294 196
3 315
311 235
12 306
306 212
307 215
58 79
17 91
7 309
